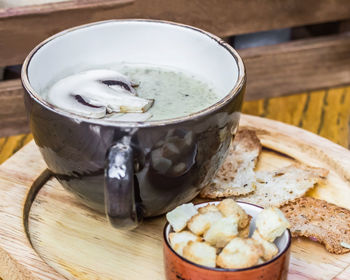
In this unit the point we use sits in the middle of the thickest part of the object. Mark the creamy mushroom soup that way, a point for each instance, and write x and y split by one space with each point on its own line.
129 92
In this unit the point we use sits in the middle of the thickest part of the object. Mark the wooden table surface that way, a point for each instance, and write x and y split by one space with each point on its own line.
324 112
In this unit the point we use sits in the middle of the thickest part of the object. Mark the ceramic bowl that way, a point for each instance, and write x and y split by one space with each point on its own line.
177 267
116 167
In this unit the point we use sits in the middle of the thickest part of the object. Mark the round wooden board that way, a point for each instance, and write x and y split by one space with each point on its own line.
77 243
80 244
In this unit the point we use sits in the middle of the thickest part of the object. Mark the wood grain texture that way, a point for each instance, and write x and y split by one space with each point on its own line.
13 119
33 8
20 3
297 66
25 27
324 112
80 244
24 173
108 254
344 275
10 267
10 145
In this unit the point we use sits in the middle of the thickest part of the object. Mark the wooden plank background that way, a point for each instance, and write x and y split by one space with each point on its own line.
12 113
324 112
297 66
221 17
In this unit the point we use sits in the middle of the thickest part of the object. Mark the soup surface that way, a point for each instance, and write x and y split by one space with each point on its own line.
129 92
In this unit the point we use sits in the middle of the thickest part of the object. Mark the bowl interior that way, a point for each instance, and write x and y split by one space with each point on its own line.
135 41
281 242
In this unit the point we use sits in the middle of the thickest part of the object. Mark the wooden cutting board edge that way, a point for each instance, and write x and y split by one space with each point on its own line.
18 260
296 142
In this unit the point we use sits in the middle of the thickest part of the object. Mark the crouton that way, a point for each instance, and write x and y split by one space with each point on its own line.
221 232
200 223
270 249
271 223
208 208
179 217
244 232
229 207
200 253
240 253
178 240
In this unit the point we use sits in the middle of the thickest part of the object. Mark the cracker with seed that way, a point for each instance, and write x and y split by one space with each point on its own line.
283 185
236 176
321 221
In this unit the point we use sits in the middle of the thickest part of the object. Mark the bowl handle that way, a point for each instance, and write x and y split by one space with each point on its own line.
119 190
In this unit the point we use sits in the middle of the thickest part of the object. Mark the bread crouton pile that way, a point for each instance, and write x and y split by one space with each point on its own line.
218 235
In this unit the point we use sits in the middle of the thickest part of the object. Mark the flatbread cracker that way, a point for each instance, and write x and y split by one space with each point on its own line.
283 185
321 221
236 176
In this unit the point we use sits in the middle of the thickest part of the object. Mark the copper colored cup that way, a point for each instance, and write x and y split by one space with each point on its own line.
179 268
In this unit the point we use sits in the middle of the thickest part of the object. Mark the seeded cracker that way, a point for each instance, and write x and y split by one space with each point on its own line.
236 176
321 221
283 185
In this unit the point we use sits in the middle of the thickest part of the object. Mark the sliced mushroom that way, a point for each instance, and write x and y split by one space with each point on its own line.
81 106
87 102
95 93
121 82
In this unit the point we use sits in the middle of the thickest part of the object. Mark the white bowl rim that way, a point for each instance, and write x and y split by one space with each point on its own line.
237 88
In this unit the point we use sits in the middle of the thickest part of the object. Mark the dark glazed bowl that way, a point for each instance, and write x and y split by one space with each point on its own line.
177 267
82 152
